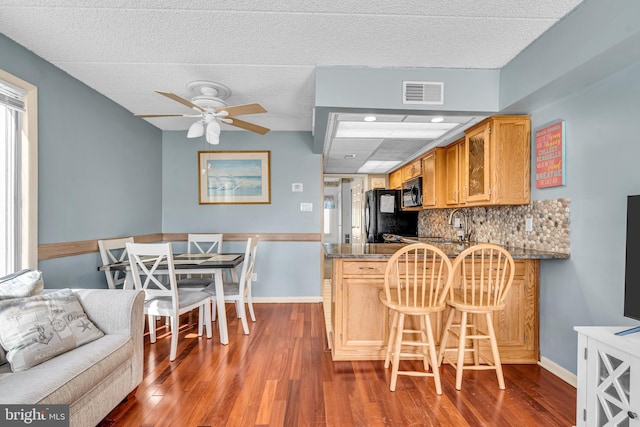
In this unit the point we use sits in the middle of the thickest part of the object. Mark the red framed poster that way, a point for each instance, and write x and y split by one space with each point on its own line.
550 155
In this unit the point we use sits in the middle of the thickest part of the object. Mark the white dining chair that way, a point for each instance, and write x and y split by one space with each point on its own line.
239 291
201 243
155 260
114 251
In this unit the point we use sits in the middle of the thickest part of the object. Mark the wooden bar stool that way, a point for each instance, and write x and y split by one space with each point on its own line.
482 277
416 282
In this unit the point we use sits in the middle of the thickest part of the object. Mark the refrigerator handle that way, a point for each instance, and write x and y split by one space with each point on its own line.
367 216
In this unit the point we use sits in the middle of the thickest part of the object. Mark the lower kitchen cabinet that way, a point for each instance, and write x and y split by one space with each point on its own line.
608 378
360 323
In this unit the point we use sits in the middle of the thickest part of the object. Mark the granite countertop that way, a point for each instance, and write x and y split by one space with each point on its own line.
452 249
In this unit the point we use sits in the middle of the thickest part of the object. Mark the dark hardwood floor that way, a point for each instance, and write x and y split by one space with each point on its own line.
282 375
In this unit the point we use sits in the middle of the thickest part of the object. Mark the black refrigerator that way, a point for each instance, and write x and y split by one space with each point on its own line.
382 215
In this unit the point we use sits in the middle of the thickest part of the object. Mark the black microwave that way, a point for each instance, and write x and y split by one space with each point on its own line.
412 193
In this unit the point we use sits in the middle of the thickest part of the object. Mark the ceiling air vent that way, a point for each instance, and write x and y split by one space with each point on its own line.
423 93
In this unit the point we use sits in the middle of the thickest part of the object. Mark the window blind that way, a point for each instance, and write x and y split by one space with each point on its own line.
11 97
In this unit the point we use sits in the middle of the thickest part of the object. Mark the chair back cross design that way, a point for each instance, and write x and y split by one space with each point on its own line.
204 243
114 251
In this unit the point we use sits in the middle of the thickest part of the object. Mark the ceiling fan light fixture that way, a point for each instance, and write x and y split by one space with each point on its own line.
213 132
196 130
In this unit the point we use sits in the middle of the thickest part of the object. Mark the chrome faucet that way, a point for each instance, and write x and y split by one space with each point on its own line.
466 231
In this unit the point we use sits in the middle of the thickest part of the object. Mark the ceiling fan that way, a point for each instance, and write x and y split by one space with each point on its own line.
208 101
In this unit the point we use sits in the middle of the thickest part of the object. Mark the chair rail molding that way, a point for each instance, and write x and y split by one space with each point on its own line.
65 249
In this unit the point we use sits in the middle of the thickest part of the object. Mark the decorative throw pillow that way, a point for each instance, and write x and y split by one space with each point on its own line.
24 283
36 329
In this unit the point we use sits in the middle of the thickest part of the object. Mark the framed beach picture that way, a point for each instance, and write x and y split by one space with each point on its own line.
234 177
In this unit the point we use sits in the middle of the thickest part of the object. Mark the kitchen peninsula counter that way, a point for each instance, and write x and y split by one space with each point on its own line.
385 250
359 322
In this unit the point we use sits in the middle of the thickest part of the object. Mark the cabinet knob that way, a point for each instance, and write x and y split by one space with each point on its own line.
632 415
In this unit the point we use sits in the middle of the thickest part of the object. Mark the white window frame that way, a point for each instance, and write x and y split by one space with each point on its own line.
29 171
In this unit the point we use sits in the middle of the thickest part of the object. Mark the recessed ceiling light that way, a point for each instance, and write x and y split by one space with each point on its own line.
399 130
378 166
350 156
437 120
370 118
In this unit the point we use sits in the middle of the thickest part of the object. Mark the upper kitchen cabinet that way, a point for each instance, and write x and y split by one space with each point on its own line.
395 179
412 170
431 181
497 162
454 162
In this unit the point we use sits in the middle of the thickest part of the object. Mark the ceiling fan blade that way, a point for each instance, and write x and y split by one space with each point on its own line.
248 126
158 115
181 100
239 110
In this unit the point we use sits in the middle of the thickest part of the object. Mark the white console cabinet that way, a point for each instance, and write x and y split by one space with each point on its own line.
608 377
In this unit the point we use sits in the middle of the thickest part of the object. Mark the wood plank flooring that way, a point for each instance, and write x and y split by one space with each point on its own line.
282 375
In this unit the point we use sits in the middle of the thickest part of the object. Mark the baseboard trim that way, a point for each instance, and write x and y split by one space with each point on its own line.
284 300
559 371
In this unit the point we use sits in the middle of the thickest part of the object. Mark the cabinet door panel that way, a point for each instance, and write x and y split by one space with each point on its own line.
429 180
452 194
477 172
366 319
395 179
612 376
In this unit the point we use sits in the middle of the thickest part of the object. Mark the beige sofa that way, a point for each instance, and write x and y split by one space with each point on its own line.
93 378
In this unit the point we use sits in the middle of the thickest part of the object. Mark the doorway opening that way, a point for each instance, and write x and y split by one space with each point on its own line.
343 218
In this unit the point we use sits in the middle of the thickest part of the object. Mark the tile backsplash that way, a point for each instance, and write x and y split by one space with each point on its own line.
505 225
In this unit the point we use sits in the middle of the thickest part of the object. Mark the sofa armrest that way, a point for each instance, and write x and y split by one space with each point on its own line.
118 312
113 311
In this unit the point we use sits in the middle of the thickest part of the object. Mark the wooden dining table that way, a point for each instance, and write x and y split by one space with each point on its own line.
214 264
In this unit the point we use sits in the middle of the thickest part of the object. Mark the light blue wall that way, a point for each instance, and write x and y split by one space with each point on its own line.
585 71
99 168
602 169
285 269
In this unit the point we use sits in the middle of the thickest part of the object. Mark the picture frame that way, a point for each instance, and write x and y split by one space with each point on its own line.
234 177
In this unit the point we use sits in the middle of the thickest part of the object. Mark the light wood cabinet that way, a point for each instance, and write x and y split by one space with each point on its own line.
498 162
395 179
360 321
453 173
412 170
432 182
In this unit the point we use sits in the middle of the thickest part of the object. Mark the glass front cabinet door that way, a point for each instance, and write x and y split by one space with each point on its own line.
477 186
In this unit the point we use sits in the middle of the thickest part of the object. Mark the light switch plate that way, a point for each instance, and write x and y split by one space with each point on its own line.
456 222
528 223
297 187
306 207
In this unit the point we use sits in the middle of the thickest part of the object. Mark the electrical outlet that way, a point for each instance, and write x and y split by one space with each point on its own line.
254 277
528 223
456 223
